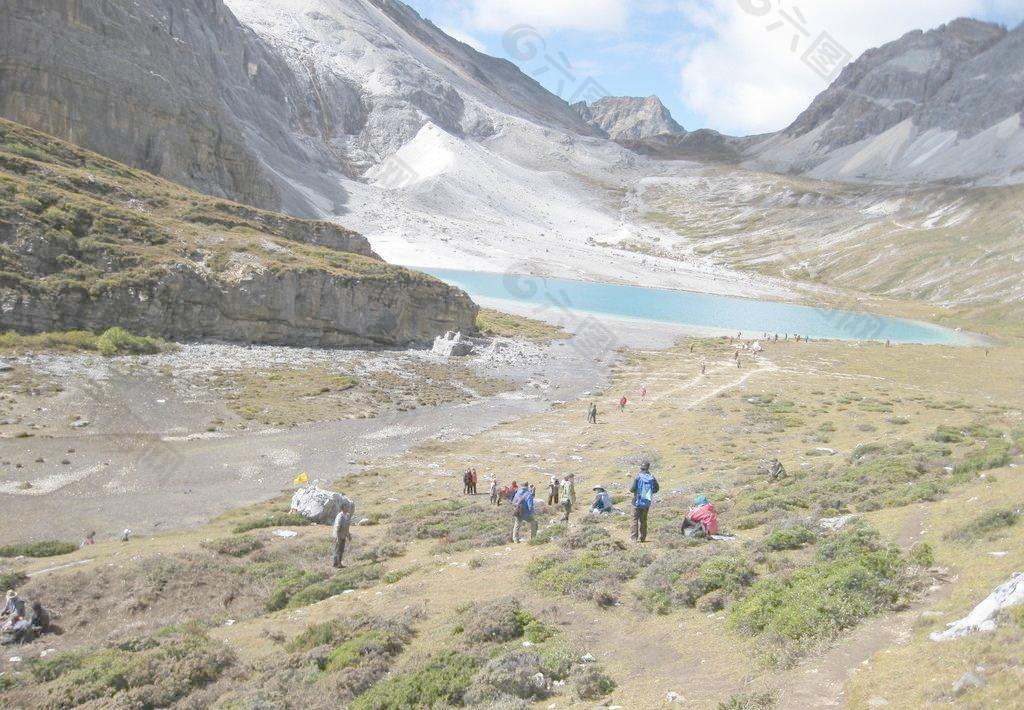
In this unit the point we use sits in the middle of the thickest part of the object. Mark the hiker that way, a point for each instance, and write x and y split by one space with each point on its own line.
643 392
776 470
703 368
494 491
738 363
701 520
340 531
522 511
622 403
553 487
568 496
125 535
90 539
602 501
643 489
472 481
691 347
508 492
776 337
14 608
39 619
465 482
592 414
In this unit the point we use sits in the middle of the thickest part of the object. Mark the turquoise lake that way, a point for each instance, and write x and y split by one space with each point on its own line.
752 317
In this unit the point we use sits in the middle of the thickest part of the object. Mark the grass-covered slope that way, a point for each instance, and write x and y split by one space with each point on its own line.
86 242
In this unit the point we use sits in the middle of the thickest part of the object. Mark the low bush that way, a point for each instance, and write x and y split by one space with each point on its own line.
790 538
279 520
118 341
234 546
456 525
442 681
986 525
589 682
381 552
591 574
48 548
349 578
513 674
675 581
750 701
12 580
557 660
141 673
496 621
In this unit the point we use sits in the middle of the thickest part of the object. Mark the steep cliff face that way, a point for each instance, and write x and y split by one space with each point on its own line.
937 105
630 118
86 242
176 87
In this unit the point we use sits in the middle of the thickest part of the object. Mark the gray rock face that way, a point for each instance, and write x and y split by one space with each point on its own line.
629 118
937 105
153 83
307 308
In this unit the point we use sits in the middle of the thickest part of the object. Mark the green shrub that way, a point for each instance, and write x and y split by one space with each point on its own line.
235 546
589 682
118 341
279 520
496 621
456 525
326 633
750 701
550 533
729 573
348 578
819 601
142 673
790 538
381 552
922 554
985 525
12 580
442 681
48 548
289 584
557 660
353 651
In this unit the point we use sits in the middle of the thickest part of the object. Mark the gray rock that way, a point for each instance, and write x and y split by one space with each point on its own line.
968 681
629 118
317 504
836 523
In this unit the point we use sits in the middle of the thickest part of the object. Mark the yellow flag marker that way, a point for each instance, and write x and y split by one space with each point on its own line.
301 478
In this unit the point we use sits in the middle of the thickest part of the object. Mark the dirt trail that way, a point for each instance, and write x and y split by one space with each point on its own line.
821 681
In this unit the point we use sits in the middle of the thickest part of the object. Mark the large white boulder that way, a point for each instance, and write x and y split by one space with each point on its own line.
317 504
984 616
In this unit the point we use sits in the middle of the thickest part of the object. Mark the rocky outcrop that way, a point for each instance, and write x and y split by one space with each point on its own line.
250 303
938 105
629 118
87 243
318 505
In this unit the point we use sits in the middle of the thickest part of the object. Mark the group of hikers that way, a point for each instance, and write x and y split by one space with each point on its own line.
700 521
21 623
469 482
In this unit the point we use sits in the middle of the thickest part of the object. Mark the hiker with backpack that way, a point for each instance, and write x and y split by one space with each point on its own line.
702 519
523 504
340 531
494 491
643 489
602 501
567 496
465 482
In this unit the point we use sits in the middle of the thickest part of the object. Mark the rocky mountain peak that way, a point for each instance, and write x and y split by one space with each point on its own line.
630 118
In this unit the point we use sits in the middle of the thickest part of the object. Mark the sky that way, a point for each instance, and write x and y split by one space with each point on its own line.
738 66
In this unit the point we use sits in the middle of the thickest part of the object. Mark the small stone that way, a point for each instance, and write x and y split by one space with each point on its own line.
673 697
877 702
80 424
587 658
968 681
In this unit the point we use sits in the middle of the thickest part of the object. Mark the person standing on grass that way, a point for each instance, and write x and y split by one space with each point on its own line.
592 414
523 503
567 494
622 403
553 490
494 491
643 489
472 481
643 392
340 531
465 482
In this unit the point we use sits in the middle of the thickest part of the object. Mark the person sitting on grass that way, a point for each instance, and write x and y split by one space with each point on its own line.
14 607
602 501
701 520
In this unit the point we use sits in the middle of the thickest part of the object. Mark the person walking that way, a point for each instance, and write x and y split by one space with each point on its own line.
340 531
472 481
523 503
643 489
494 491
643 392
567 496
465 481
553 489
622 403
592 414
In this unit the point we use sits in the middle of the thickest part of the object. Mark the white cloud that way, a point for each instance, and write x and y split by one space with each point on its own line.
464 37
744 78
547 15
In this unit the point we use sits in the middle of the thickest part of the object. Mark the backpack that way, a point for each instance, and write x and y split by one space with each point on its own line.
644 491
